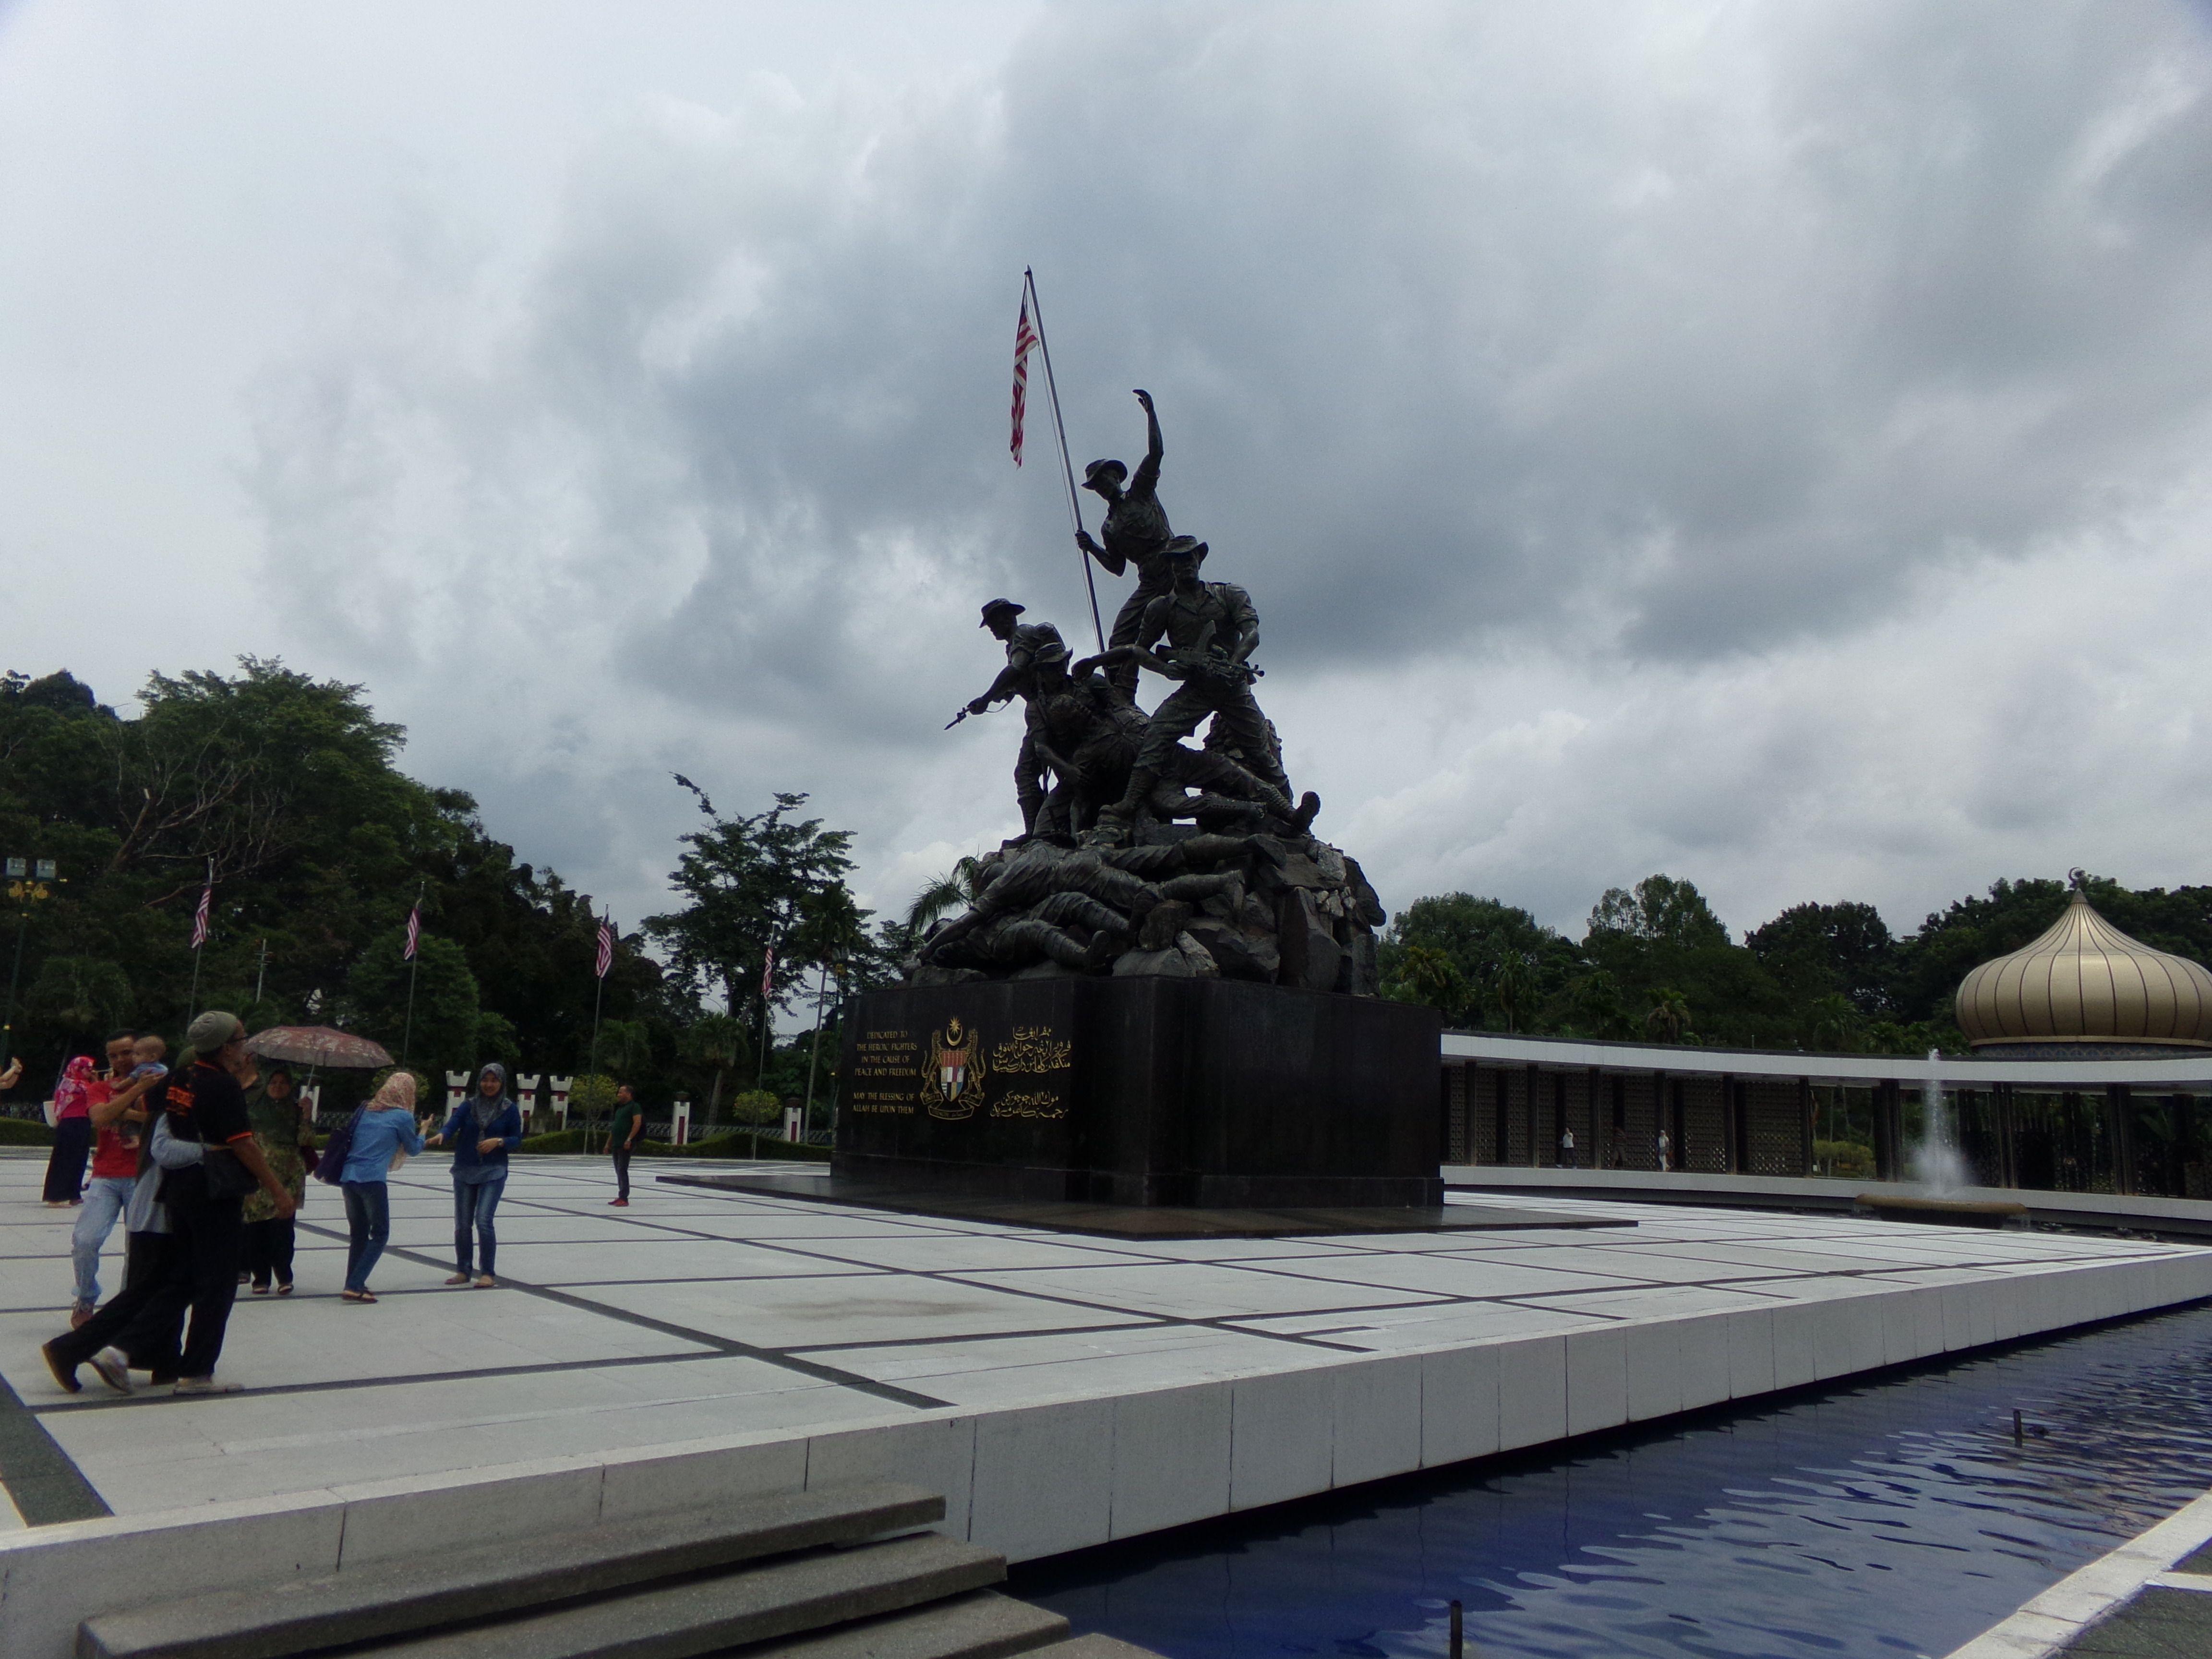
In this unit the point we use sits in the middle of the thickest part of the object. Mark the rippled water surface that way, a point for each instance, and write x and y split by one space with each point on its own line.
1896 1517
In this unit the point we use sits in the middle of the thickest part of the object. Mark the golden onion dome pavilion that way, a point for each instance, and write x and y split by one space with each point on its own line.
2086 986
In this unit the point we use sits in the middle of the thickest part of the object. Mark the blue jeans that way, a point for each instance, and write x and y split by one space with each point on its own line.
473 1204
368 1223
104 1199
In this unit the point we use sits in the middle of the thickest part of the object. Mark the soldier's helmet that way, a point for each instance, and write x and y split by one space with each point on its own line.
1098 470
996 606
1185 547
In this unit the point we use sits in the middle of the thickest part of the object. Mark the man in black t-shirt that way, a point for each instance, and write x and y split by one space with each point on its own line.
204 1103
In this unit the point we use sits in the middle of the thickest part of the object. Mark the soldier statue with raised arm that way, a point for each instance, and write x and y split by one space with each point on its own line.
1135 532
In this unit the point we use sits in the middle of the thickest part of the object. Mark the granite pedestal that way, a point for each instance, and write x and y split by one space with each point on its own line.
1212 1093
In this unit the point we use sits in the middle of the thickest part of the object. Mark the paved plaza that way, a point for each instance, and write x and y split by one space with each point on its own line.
692 1316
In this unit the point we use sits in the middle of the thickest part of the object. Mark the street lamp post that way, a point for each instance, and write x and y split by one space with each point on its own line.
27 885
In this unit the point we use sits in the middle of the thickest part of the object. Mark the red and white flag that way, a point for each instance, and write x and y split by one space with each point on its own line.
1025 341
768 975
413 933
200 915
607 950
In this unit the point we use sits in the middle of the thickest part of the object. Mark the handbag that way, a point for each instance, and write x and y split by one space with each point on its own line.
226 1174
331 1165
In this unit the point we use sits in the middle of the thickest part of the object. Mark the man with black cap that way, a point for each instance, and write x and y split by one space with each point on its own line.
1210 629
205 1103
1135 532
1023 640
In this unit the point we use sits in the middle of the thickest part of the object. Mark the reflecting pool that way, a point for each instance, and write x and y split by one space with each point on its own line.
1896 1516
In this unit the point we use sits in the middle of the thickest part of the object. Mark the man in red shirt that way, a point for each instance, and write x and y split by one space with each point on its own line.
114 1167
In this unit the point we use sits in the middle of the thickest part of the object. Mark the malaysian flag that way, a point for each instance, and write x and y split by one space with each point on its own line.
768 973
200 915
1025 341
413 933
607 950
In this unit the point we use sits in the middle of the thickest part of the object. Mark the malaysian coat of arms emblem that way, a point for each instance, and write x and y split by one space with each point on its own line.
952 1071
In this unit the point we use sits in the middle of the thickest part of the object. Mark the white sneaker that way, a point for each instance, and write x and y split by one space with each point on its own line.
114 1368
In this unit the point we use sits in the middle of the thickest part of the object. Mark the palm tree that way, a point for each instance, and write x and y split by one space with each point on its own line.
624 1043
1512 987
1432 978
717 1040
1837 1026
1669 1018
953 891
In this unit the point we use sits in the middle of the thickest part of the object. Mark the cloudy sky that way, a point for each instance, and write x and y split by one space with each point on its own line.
1766 443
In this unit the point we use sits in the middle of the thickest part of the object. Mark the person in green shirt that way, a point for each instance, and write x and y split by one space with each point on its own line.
629 1125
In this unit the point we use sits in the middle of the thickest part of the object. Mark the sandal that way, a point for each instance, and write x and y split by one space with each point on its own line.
355 1295
285 1289
459 1279
261 1289
487 1283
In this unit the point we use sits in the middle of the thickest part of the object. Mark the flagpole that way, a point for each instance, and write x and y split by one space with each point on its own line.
193 1002
813 1059
1067 466
760 1070
597 994
414 968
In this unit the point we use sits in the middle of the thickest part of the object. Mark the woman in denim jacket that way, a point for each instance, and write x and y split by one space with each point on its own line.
483 1130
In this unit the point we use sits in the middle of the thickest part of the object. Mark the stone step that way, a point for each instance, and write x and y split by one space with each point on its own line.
1093 1647
983 1624
395 1598
703 1615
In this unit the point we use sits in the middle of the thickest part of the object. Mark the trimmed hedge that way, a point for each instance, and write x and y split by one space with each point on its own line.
25 1132
731 1143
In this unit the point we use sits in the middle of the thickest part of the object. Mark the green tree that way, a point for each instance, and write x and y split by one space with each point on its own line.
1425 975
81 994
1664 938
751 884
624 1044
443 1031
1668 1019
1493 950
1813 950
757 1108
1838 1027
719 1041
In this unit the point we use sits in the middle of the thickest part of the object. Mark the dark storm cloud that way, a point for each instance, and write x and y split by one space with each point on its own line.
1653 334
1731 319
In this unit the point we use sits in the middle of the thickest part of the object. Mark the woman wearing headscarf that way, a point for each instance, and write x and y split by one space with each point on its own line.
381 1140
483 1129
72 1134
281 1128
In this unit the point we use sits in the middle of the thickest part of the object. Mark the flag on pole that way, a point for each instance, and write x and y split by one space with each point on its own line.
200 916
607 950
413 933
768 973
1025 341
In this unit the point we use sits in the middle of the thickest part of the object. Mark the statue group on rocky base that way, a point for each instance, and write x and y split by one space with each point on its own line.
1140 852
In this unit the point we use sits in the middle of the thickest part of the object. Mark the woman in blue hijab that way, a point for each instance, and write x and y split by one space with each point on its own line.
483 1130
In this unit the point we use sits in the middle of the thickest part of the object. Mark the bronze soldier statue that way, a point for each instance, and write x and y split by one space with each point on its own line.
1210 630
1024 640
1086 732
1135 532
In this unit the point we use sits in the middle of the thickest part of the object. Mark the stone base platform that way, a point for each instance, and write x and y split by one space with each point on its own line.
1210 1094
1138 1220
